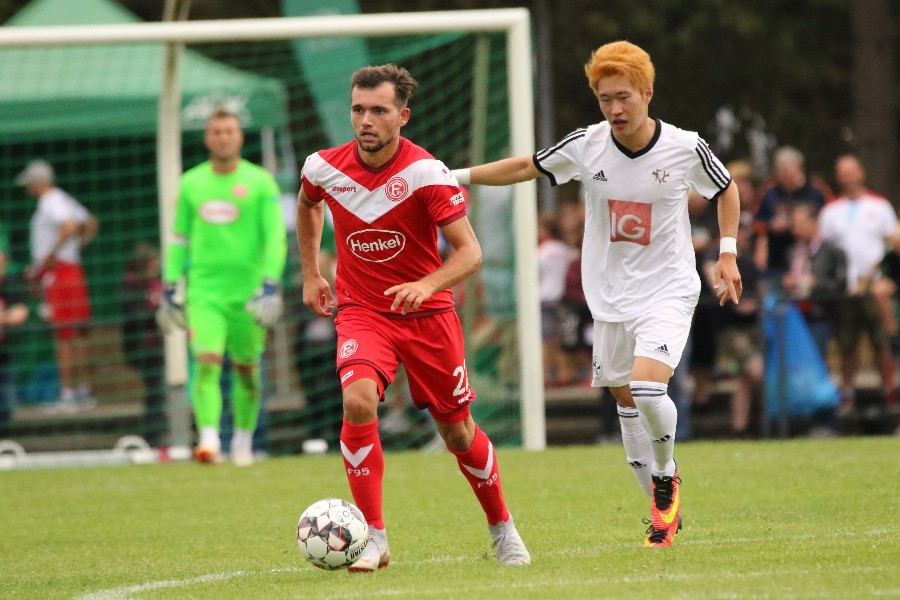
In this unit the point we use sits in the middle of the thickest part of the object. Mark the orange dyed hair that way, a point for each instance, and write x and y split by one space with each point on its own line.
620 58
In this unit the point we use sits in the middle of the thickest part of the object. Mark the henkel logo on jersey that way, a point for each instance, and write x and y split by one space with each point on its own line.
629 221
376 245
396 188
219 212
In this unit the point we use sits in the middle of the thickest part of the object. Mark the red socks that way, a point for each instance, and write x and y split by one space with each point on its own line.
364 461
479 465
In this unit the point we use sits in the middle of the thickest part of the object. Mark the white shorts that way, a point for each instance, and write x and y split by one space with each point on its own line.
660 335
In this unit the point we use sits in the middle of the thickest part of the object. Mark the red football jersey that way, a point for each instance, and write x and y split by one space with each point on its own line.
385 220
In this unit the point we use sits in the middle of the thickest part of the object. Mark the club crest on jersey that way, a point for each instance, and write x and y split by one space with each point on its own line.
376 245
396 189
629 221
219 212
239 191
660 176
348 349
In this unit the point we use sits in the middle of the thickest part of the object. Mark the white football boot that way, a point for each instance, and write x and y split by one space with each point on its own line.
375 556
508 544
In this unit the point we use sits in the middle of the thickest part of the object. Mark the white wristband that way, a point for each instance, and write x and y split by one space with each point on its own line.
463 176
729 245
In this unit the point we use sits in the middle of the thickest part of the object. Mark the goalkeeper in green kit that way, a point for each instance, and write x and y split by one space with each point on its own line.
229 241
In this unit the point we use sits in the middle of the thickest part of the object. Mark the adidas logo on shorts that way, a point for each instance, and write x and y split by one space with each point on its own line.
664 349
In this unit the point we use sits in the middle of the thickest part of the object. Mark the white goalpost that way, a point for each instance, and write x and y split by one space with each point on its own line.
513 24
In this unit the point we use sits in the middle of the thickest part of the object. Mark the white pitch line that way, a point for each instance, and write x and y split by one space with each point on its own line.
124 592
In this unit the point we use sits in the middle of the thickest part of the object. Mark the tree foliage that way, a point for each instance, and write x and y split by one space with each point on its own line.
791 62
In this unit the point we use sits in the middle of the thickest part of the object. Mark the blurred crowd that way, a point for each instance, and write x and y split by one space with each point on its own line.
834 255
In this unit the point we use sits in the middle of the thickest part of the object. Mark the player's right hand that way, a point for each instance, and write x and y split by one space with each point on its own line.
170 314
317 296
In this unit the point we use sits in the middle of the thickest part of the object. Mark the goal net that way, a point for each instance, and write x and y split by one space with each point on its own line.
91 100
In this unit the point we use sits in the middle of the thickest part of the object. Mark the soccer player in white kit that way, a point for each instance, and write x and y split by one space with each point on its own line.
639 272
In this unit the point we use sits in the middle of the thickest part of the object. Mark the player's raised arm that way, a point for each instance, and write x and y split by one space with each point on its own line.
506 171
310 221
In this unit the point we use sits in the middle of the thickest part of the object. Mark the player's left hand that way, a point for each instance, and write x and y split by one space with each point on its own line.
409 295
266 304
728 279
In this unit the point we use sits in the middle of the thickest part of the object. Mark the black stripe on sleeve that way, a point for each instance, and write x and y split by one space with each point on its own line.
711 165
542 154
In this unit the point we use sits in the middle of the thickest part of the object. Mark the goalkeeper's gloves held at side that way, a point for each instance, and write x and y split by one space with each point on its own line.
266 304
170 314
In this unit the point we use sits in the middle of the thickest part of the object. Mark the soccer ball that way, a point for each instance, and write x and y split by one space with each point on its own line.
332 534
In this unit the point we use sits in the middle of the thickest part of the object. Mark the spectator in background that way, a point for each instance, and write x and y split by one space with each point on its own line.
772 223
60 229
817 276
738 334
860 222
142 341
13 313
817 281
742 175
701 357
553 257
228 238
884 290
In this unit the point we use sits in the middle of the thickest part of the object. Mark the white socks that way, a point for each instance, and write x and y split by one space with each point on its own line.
209 438
658 415
242 438
638 452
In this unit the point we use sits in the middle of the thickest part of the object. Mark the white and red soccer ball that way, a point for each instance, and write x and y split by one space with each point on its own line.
332 534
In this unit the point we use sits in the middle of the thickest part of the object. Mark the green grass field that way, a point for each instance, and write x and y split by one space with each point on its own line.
796 519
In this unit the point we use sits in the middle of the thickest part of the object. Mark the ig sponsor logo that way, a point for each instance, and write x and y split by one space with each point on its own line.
629 221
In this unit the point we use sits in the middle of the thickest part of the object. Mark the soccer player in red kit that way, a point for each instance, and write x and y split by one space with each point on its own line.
388 197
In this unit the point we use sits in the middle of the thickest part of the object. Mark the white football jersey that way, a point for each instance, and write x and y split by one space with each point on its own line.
637 252
53 209
859 227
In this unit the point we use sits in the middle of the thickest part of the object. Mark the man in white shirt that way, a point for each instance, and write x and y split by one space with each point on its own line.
60 228
638 268
859 222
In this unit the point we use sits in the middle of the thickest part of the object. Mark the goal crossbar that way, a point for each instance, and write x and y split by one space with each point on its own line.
514 22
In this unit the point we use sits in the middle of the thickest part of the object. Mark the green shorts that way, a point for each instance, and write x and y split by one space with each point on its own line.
216 328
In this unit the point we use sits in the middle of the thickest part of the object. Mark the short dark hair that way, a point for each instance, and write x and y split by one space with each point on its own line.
223 113
371 77
810 208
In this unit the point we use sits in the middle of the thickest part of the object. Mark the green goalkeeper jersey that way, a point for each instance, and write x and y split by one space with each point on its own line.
229 232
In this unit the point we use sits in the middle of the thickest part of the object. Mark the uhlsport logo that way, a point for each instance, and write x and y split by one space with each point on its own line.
396 188
239 191
376 245
348 348
629 221
219 212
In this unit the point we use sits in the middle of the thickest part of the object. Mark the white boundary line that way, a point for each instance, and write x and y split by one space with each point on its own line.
126 591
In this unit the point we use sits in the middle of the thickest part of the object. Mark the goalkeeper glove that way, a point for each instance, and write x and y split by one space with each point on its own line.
266 304
170 314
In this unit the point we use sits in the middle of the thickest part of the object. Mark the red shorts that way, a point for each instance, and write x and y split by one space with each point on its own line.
430 347
66 295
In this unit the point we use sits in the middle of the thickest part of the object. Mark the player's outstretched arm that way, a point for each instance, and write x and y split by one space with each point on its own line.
502 172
